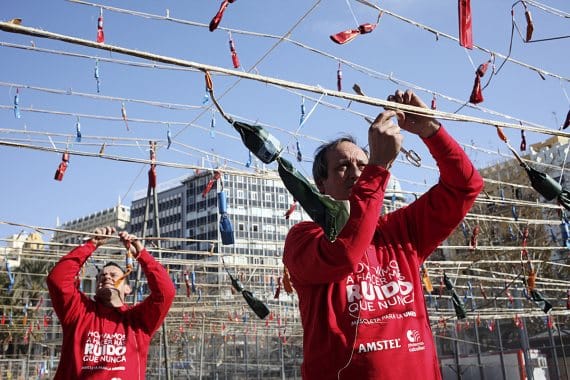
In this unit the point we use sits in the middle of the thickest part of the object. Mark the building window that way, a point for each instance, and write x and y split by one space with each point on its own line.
253 195
254 227
267 197
240 194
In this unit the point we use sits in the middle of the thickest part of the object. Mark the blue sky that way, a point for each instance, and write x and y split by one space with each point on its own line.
30 194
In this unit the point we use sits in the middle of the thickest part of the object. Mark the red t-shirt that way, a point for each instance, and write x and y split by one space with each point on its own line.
100 342
360 297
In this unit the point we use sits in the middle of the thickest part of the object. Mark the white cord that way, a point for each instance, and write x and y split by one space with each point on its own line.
353 344
352 12
356 330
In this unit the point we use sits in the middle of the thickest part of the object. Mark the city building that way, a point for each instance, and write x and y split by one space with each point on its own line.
189 219
16 244
117 216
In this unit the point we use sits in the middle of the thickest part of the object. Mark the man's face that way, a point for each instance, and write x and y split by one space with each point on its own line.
106 283
345 162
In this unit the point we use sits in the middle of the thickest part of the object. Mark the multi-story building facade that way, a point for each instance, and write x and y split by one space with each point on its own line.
117 216
189 219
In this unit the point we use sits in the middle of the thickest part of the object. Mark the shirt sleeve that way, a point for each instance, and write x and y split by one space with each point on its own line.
307 248
155 306
61 282
434 215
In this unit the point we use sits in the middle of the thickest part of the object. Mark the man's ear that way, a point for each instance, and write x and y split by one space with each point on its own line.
128 289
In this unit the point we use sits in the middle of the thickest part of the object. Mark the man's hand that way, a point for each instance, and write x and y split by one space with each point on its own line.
131 240
420 125
101 235
384 139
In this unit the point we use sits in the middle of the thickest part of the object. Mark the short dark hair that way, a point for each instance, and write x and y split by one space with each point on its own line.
114 264
320 164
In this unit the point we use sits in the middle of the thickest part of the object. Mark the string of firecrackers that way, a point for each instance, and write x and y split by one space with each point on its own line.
465 39
509 297
438 34
124 118
112 118
330 105
528 36
7 27
136 140
116 140
562 222
354 66
523 141
529 292
434 265
70 92
459 304
541 182
112 157
54 257
441 265
116 143
235 322
480 248
168 123
509 310
95 58
533 222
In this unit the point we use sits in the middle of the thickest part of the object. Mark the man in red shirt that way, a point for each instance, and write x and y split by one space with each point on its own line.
104 338
360 296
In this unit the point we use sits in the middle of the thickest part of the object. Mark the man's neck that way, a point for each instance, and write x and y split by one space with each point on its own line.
114 301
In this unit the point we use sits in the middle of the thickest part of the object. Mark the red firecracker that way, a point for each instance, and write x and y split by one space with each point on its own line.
339 78
465 24
483 293
287 281
218 17
235 59
529 24
350 34
278 290
477 92
291 210
523 141
100 33
210 184
474 236
62 167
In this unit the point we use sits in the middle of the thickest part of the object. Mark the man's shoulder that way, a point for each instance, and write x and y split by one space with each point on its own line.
303 228
299 236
